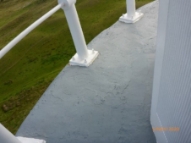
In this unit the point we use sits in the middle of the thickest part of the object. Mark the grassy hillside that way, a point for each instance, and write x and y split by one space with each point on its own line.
28 69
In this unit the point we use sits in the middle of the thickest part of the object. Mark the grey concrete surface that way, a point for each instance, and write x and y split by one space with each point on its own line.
108 102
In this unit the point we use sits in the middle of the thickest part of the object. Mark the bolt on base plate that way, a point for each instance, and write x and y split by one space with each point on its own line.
127 19
30 140
92 55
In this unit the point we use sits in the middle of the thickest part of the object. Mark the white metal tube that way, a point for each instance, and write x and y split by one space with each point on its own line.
76 31
9 46
6 136
131 8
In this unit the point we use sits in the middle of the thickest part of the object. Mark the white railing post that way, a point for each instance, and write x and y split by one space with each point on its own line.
131 8
8 137
83 57
131 16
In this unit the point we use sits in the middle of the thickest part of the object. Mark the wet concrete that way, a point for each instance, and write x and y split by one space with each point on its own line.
108 102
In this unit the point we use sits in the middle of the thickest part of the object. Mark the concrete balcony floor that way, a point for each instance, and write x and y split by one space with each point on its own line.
108 102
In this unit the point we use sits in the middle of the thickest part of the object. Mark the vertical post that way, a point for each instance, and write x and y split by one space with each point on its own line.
131 16
131 8
83 57
6 136
76 31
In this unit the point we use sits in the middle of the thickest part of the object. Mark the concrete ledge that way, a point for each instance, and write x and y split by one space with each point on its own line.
108 102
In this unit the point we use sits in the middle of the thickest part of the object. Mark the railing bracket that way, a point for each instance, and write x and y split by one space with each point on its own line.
131 19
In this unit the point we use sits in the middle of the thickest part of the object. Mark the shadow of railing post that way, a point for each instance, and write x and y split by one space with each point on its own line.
132 15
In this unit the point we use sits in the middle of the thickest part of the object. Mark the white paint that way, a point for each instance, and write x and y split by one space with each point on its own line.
83 57
131 16
9 46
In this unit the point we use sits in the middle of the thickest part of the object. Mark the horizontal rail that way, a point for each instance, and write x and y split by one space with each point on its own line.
9 46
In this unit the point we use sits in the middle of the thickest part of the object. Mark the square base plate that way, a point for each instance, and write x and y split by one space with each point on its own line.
92 55
125 18
30 140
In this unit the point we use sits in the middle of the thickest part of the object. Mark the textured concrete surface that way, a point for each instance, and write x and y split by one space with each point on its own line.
109 102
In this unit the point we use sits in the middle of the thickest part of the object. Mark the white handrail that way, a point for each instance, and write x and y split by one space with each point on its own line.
8 47
6 136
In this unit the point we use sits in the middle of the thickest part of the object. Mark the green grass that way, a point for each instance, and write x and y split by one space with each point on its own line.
28 69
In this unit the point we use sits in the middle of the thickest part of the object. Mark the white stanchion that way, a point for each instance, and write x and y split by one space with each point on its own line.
83 57
132 15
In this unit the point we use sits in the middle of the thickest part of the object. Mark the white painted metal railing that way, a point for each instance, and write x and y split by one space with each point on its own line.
83 57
